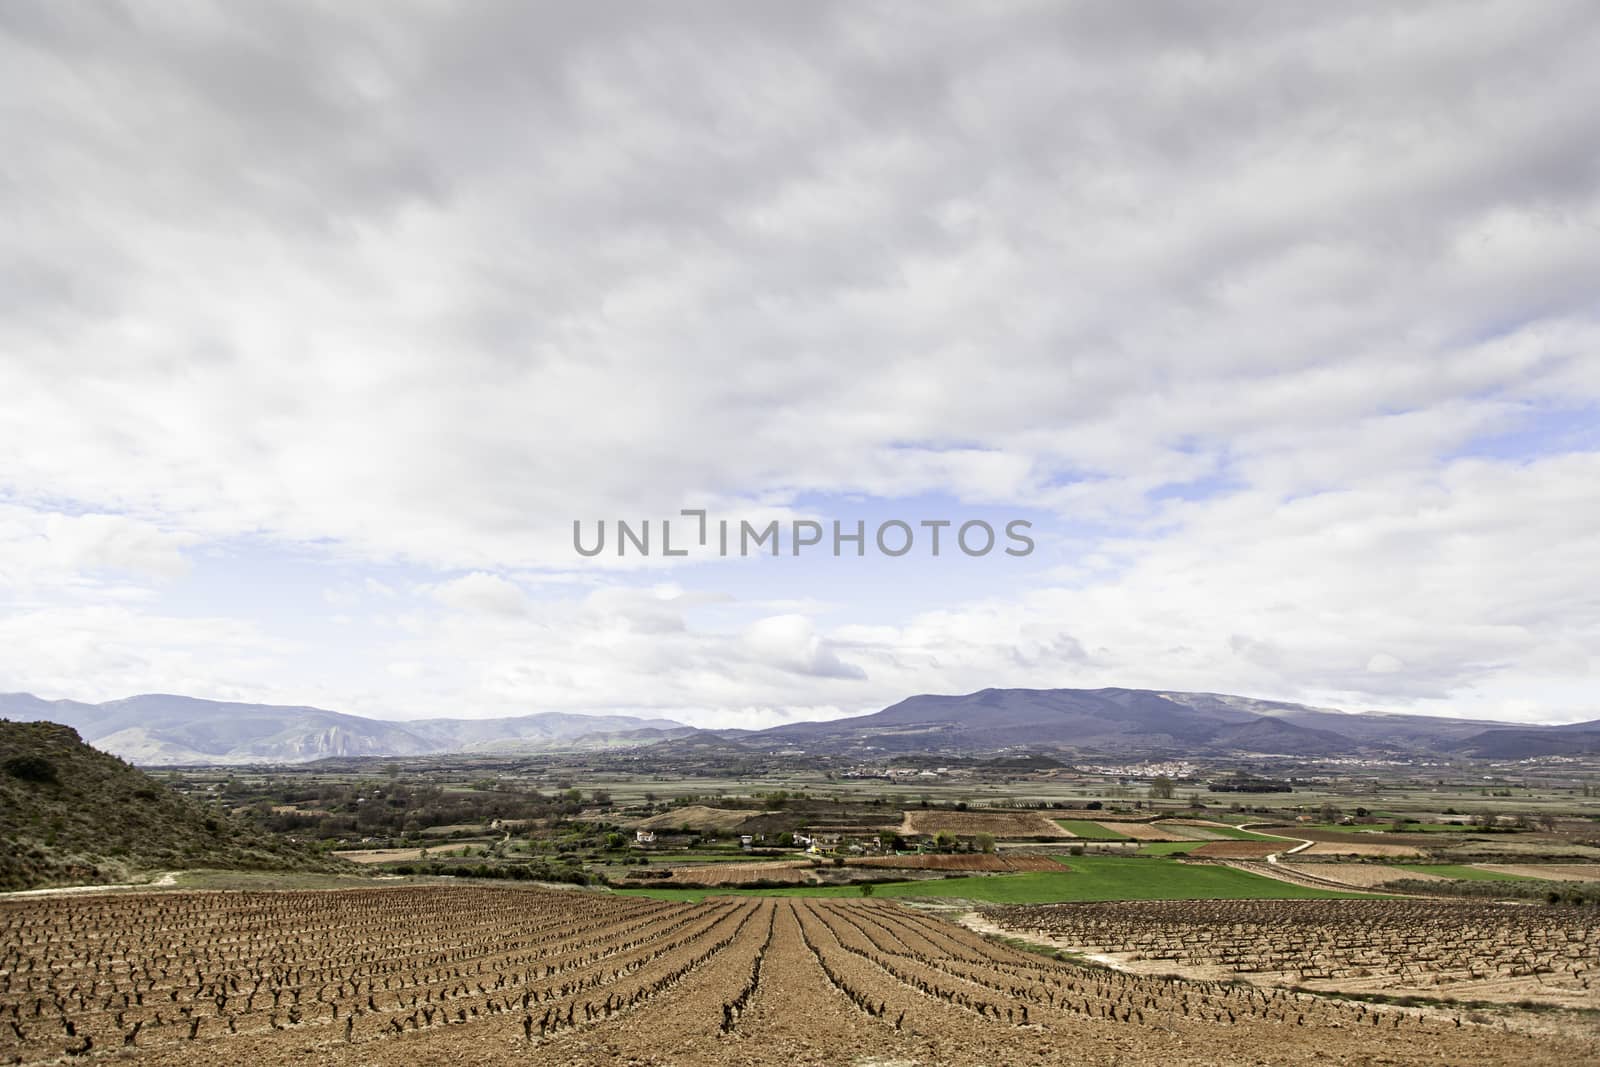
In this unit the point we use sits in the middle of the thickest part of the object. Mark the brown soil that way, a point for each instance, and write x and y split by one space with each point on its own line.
697 817
1243 850
1144 831
1433 948
471 975
1197 829
1361 848
383 855
998 824
1556 872
1360 875
789 872
963 862
1357 836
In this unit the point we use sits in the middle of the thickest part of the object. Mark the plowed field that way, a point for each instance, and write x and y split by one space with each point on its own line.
468 975
1498 952
970 861
999 824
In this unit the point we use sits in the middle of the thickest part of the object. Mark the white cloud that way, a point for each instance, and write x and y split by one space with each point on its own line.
791 643
96 652
1384 663
39 547
480 592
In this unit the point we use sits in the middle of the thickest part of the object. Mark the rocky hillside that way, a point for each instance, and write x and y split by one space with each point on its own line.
70 814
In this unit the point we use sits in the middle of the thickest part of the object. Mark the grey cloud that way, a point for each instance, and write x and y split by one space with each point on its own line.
1036 209
427 281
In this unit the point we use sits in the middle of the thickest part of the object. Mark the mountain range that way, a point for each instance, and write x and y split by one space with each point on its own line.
1167 724
158 729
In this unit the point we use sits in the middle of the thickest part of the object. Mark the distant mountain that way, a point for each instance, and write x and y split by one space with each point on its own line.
72 814
165 730
161 730
530 732
1522 742
1147 723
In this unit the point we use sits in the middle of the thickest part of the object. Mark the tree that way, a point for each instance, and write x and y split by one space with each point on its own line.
866 889
786 840
1329 811
615 841
1161 788
985 842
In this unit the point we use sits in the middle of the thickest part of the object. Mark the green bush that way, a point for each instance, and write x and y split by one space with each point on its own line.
31 768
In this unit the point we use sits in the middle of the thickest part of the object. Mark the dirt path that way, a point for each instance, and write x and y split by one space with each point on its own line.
1304 844
1274 867
170 878
1504 990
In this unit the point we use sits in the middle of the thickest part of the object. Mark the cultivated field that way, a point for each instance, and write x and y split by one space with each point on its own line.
1359 875
807 873
697 817
967 861
999 824
1238 850
501 976
1362 848
1498 952
1144 831
778 872
1555 872
380 855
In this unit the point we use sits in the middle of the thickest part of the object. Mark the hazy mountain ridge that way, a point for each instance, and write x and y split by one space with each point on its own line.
159 729
1138 722
165 730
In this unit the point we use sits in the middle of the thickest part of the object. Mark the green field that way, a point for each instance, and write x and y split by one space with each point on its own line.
1089 831
1468 874
1087 878
1233 833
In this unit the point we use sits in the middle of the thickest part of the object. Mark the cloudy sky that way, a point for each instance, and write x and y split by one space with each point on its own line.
320 325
